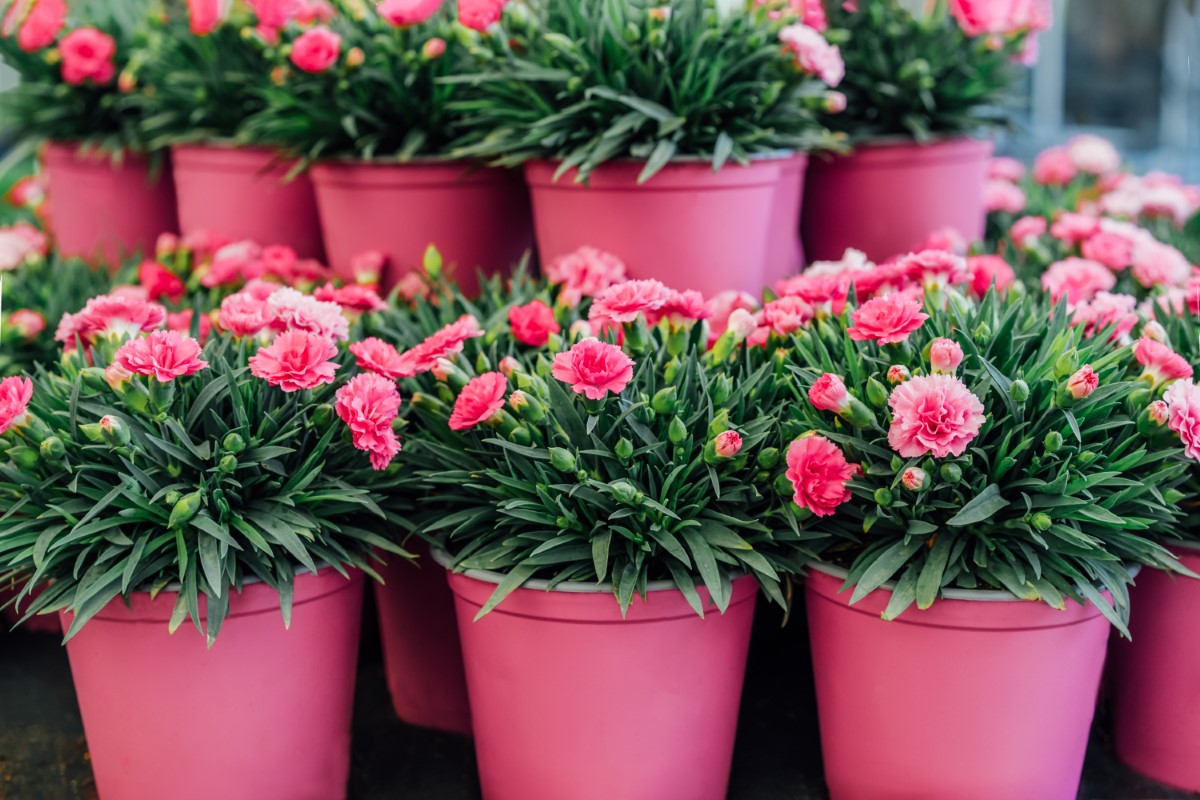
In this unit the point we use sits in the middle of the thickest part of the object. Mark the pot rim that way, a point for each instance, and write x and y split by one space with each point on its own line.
770 155
971 595
893 139
442 556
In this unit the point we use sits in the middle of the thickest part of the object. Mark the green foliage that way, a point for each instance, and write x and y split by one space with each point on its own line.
202 483
587 81
916 75
1053 499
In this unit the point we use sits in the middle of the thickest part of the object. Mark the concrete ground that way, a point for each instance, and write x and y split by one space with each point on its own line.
43 755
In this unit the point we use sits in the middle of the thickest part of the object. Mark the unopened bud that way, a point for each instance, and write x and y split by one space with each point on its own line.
898 373
1053 442
915 479
1066 364
233 443
624 492
664 401
509 366
114 430
877 393
562 460
228 463
355 57
624 449
1041 521
768 457
951 473
184 510
677 432
1019 391
883 496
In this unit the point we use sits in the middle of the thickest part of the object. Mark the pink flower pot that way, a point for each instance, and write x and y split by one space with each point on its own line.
1156 677
101 211
688 226
240 193
570 701
478 218
420 644
785 251
885 199
42 623
982 698
264 714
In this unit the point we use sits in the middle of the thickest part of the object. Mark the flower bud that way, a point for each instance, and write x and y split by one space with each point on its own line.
944 356
52 448
1053 442
1019 391
228 463
322 417
24 457
172 497
1085 458
877 393
433 48
187 507
432 262
114 430
562 460
233 443
722 387
720 423
951 473
1153 417
1081 384
783 486
520 435
624 492
116 377
677 432
727 444
92 432
509 366
1154 330
914 479
664 401
1041 521
741 324
983 333
624 449
883 496
355 57
898 373
93 378
768 457
835 102
1066 364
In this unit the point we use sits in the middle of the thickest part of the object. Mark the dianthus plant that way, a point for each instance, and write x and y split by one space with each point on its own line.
976 445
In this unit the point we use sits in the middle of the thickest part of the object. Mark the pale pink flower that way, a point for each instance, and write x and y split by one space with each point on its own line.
980 17
29 324
681 309
243 315
898 373
722 306
434 47
15 394
412 286
1110 249
624 302
509 366
786 315
369 404
533 323
1083 382
1000 195
375 355
727 444
819 472
1156 263
829 393
317 49
988 270
584 273
594 368
1093 155
935 268
1006 169
116 314
1054 167
743 325
1073 228
20 244
914 479
367 267
87 55
480 400
297 359
357 297
1027 230
313 11
293 310
1183 414
1107 310
813 54
824 292
934 414
205 15
1158 412
1160 364
165 355
403 13
274 14
1077 279
945 355
887 320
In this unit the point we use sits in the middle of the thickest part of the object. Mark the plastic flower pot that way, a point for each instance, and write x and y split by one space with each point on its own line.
950 703
478 218
264 714
421 652
1156 706
687 226
240 193
569 700
42 623
102 211
785 251
886 198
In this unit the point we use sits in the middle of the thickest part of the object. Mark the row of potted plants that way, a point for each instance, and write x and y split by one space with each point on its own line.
605 470
671 133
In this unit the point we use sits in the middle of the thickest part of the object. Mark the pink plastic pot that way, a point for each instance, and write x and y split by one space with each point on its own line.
570 701
102 211
420 644
885 199
240 193
950 703
785 251
687 226
477 218
1156 677
264 714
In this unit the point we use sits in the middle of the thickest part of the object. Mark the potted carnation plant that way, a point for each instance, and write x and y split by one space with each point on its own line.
1154 713
987 495
210 66
606 541
918 85
670 134
360 98
109 196
149 481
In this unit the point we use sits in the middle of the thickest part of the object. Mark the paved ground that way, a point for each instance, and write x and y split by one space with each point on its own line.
43 755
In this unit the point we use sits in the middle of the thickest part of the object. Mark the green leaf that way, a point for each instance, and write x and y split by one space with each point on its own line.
982 507
929 583
512 581
885 566
706 565
600 544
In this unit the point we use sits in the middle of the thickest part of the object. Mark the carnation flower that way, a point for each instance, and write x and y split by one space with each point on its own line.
1094 155
369 404
727 444
444 343
887 320
1077 279
243 315
1000 195
1160 363
29 324
1073 228
594 368
1027 230
787 314
479 15
987 271
317 49
945 355
813 54
1183 414
296 360
165 355
533 323
949 239
40 22
825 292
20 244
182 321
205 15
1159 264
898 373
623 302
934 414
117 314
829 393
403 13
819 473
722 306
1006 169
934 268
354 297
87 55
15 394
1054 167
1107 310
375 355
584 273
1083 382
914 479
682 309
293 310
1110 249
160 282
480 400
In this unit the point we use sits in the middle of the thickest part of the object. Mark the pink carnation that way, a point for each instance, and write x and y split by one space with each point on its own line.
1183 414
594 368
945 355
19 244
934 414
1160 364
887 320
623 302
15 394
824 292
989 270
949 239
376 355
39 21
829 393
205 15
274 14
293 310
813 54
533 323
1006 169
353 297
727 444
787 314
444 343
935 268
681 309
1027 230
1110 249
480 400
1158 264
87 55
480 15
117 314
165 355
1000 195
403 13
369 404
160 282
28 323
296 360
584 273
243 315
1054 167
1073 228
1077 279
819 473
1093 155
722 306
1083 382
317 49
1107 310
